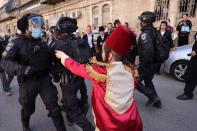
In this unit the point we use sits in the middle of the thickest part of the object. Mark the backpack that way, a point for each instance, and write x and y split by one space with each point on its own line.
161 47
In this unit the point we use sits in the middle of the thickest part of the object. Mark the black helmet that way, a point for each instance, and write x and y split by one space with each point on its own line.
148 17
22 23
101 28
66 25
117 21
53 29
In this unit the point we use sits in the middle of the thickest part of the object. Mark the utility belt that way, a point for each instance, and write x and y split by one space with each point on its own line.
67 78
37 75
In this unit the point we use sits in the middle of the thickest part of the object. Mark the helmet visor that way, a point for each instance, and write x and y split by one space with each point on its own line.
36 23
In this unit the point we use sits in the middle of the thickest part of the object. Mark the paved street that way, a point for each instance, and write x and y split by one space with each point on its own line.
174 116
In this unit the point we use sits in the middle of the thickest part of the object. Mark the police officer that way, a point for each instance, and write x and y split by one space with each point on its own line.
147 66
29 58
75 108
190 75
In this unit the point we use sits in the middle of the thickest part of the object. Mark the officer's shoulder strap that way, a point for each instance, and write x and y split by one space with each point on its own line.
51 45
14 39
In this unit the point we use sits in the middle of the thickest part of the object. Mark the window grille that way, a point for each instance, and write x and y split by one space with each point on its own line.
95 17
106 14
187 7
161 9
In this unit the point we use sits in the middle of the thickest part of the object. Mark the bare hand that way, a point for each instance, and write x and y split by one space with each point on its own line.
61 55
180 23
173 49
193 53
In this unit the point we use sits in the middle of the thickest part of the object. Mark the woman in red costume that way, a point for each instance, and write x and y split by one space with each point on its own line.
114 107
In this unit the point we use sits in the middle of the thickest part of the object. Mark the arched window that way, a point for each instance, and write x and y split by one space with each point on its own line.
161 9
187 6
95 17
106 14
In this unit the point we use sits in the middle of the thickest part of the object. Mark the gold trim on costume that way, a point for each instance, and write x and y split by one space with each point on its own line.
134 71
94 61
95 75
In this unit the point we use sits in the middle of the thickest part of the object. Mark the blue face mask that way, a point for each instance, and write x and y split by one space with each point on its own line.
36 33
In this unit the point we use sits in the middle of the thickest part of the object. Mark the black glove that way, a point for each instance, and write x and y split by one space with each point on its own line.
56 77
28 70
21 71
20 74
24 70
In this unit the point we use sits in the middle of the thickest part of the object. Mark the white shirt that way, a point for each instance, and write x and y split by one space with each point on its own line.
162 33
90 40
102 37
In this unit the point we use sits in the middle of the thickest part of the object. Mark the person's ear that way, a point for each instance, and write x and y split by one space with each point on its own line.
110 56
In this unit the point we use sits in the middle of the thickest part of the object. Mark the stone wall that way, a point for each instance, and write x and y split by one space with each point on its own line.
125 10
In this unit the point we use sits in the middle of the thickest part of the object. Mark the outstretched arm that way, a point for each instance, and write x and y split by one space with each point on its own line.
73 66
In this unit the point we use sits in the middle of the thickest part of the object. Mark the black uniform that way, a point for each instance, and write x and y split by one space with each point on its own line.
147 66
6 78
133 52
167 36
100 41
191 73
92 49
71 84
31 62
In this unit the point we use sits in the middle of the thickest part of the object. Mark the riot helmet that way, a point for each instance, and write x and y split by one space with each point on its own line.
66 25
147 17
35 25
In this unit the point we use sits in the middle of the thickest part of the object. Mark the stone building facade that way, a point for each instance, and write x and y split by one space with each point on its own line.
95 12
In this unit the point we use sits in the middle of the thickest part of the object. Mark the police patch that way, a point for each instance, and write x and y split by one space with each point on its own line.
9 46
143 36
4 53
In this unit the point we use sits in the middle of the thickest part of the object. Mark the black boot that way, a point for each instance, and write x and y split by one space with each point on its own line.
26 128
158 104
151 102
58 120
88 128
25 121
184 97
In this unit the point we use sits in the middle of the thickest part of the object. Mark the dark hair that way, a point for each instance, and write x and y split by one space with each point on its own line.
163 22
126 23
117 21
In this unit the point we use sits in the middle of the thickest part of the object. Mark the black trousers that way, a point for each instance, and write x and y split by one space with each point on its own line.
147 74
73 105
183 40
28 92
92 51
189 88
6 80
158 68
83 92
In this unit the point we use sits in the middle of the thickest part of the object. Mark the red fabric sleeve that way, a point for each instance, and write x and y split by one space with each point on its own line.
77 68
